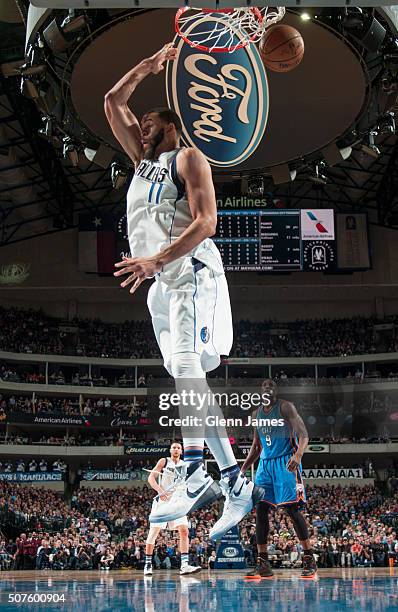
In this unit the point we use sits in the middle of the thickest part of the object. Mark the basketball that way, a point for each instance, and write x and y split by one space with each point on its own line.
282 48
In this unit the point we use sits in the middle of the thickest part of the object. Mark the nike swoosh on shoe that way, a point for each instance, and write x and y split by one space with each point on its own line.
237 493
194 494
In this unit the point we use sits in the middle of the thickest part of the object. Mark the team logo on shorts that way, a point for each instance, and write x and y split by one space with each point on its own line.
204 334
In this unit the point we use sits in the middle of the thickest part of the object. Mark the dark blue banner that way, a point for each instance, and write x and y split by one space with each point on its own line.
31 476
229 552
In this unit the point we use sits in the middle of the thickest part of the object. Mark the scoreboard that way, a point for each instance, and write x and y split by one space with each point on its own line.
259 240
276 240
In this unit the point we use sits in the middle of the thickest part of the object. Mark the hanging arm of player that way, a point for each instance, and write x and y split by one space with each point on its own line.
153 479
194 170
290 414
124 124
254 453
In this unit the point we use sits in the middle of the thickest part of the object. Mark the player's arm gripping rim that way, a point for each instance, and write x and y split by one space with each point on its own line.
290 414
153 479
124 124
255 450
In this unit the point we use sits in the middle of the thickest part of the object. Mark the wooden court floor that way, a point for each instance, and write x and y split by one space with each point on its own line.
85 591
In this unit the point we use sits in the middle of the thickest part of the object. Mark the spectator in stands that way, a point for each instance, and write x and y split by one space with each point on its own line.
20 465
107 559
43 555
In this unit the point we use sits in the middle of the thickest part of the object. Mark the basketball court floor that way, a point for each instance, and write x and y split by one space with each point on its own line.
334 589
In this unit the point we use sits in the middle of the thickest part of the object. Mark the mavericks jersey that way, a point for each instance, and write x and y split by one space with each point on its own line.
158 211
278 439
170 473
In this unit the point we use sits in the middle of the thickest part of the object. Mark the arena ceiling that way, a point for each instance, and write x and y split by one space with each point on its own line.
46 178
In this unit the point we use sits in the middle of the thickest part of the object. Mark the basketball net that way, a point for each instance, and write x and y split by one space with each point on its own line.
225 30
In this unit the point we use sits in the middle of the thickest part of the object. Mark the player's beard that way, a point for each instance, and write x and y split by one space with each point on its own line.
155 142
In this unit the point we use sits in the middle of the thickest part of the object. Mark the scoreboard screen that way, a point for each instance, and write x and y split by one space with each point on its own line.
275 240
268 240
259 240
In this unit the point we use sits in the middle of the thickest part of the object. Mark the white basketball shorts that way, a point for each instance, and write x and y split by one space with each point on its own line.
171 525
191 312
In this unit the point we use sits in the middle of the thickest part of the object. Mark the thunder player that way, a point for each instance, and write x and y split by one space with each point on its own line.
280 439
168 468
171 213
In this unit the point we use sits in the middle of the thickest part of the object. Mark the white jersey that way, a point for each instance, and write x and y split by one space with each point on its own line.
170 472
158 212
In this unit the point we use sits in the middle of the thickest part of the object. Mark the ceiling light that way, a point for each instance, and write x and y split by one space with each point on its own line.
318 178
70 151
118 175
387 124
345 152
256 187
370 148
334 155
46 131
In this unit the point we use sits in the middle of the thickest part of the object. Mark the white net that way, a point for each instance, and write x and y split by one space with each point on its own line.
225 29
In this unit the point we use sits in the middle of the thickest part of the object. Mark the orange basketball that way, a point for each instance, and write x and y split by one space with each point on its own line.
281 48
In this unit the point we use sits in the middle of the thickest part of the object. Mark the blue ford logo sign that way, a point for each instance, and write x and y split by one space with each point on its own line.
222 99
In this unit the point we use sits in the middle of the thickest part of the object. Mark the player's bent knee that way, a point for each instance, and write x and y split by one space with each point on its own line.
183 530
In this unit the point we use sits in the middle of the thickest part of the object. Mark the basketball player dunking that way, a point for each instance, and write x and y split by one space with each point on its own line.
171 213
162 477
280 447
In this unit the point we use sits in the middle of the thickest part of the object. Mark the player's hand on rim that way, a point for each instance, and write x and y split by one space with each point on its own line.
166 53
138 268
294 462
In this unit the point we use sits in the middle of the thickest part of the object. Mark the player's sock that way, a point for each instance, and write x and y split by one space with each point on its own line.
231 473
148 559
184 559
193 456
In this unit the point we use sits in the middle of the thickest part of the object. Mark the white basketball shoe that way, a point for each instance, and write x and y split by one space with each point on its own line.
189 569
240 498
148 569
194 491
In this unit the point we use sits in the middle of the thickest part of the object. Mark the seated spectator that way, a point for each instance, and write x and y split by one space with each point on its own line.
107 559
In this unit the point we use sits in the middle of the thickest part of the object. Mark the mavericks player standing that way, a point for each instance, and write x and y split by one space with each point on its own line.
162 477
171 214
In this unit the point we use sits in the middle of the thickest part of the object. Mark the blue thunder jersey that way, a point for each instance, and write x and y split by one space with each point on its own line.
277 439
158 213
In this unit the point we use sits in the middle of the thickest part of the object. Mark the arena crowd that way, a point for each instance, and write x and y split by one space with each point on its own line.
32 331
106 529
